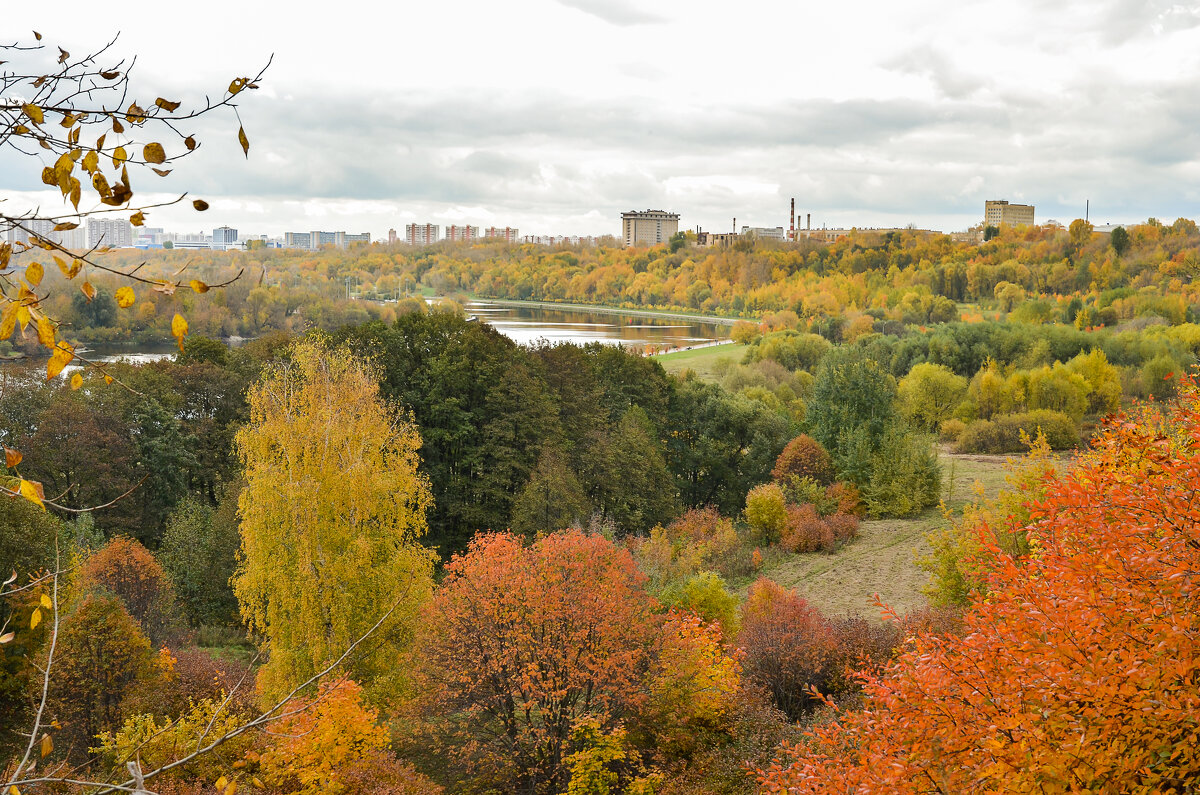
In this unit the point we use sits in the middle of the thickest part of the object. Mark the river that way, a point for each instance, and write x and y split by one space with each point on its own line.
525 324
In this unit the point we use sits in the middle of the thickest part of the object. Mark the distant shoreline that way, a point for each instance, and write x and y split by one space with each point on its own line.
723 321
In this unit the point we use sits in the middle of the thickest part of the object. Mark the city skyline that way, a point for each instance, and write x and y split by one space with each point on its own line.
913 114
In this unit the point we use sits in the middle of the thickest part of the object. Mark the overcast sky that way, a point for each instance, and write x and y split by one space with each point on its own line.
556 115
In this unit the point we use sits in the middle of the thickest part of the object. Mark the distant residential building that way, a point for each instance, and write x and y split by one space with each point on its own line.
297 240
997 212
111 232
765 232
560 240
317 239
648 227
462 234
507 234
72 239
421 234
392 238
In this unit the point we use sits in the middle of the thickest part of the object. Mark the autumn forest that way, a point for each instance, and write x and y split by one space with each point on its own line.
357 542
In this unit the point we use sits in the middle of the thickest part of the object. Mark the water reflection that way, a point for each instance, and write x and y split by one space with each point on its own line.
528 325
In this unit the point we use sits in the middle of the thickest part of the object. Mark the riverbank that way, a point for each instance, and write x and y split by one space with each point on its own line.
616 310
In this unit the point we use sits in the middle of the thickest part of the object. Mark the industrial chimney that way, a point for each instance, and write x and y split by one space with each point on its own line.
792 221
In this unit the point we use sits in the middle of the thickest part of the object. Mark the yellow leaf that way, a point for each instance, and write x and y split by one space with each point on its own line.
198 286
34 273
76 381
45 329
47 745
153 153
46 602
23 317
62 356
91 161
167 105
33 112
8 321
138 218
125 297
108 379
231 789
88 290
36 617
12 457
190 143
200 205
7 637
179 329
244 141
13 790
65 226
119 156
221 782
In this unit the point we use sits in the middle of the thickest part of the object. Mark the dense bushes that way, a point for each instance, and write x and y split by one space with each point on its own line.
1004 433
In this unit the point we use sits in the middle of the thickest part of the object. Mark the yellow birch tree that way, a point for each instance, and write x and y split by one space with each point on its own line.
330 521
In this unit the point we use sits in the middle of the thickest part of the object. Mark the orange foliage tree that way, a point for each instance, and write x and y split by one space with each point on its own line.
1079 671
128 571
519 643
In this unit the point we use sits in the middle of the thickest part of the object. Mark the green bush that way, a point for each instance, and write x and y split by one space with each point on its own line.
1003 434
766 511
905 475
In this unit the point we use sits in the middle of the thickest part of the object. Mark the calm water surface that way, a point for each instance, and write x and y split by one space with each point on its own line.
525 325
528 325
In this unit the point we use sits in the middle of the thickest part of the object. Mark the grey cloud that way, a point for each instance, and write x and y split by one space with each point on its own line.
950 79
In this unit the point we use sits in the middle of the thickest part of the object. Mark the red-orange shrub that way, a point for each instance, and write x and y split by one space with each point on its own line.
1077 671
789 648
803 457
845 498
380 773
786 646
189 676
521 642
127 570
807 531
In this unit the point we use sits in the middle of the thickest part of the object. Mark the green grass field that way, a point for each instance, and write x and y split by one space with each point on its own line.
701 360
883 559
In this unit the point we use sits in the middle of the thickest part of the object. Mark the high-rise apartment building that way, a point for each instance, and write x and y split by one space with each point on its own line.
110 232
648 227
507 234
392 236
462 234
997 212
421 234
316 239
70 239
